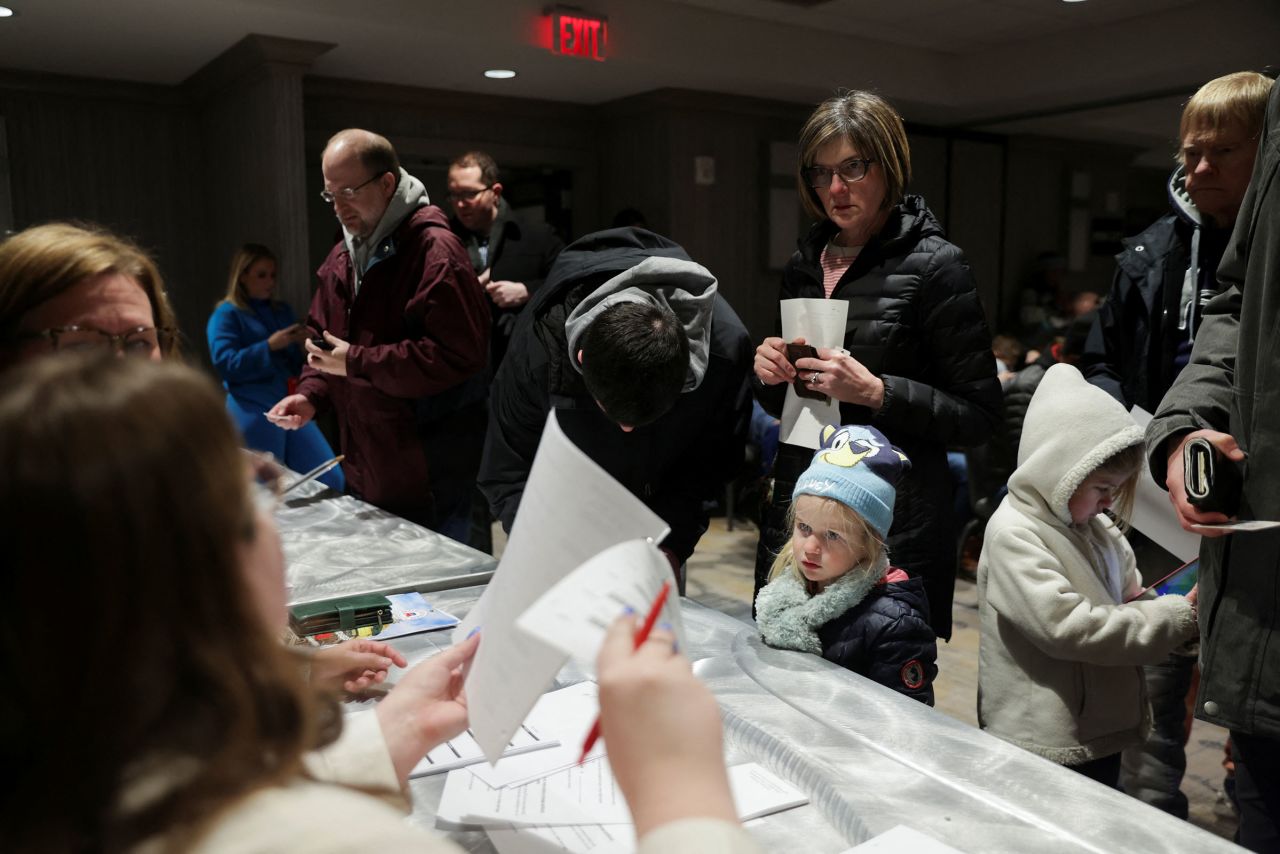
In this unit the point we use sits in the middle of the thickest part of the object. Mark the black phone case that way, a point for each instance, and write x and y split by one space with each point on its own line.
1213 482
803 351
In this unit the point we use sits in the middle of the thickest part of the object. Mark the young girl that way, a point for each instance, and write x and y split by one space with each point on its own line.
831 590
1060 653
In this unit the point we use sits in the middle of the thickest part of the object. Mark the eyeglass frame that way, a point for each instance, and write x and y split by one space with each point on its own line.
115 342
469 195
346 194
807 171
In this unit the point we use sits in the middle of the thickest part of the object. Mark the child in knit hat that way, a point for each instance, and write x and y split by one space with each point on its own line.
831 591
1060 655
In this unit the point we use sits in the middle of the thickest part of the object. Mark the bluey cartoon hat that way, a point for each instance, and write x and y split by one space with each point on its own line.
856 466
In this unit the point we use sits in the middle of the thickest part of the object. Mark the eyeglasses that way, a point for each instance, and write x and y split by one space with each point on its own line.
139 341
347 193
468 195
819 177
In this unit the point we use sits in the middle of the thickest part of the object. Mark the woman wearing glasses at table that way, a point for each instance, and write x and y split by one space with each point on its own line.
179 721
255 343
68 287
916 358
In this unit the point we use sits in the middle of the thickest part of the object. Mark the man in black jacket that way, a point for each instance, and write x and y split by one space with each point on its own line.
648 370
511 254
1142 340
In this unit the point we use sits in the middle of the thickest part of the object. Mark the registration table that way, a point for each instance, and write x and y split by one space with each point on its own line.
870 759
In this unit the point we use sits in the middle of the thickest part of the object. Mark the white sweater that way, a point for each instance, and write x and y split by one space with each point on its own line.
1059 657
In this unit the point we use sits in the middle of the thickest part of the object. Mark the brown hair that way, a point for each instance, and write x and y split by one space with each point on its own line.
871 126
1238 99
246 256
488 167
43 261
122 488
853 527
1129 462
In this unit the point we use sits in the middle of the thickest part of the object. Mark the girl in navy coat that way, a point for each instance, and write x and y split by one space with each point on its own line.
832 591
255 344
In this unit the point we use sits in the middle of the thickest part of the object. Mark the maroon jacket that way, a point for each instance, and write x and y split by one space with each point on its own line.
419 333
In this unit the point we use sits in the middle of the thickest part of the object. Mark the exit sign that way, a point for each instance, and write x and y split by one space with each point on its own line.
578 33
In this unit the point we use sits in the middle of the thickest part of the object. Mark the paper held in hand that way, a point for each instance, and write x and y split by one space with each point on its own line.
820 322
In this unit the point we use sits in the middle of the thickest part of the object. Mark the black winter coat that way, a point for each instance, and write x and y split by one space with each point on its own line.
676 464
916 321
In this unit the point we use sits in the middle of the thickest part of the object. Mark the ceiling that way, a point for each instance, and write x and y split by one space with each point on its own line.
1109 70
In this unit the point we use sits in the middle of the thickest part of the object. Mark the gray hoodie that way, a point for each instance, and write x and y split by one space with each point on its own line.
410 195
687 289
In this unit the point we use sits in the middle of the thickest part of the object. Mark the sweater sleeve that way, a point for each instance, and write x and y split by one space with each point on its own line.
1026 585
236 359
961 404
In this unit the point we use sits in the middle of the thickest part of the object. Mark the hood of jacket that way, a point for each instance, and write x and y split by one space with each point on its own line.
1071 428
1180 200
789 618
685 288
410 195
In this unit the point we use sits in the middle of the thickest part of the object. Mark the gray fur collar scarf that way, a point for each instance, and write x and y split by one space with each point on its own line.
789 618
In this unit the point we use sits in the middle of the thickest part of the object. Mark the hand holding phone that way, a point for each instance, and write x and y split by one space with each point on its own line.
796 352
320 342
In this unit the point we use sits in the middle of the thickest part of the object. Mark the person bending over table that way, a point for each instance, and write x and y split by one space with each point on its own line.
178 721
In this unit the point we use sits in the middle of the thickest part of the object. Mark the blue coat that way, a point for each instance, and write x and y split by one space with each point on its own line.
256 378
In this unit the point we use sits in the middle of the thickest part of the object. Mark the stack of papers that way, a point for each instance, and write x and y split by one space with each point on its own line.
463 750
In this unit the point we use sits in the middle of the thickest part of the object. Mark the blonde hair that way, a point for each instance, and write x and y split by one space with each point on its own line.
871 126
1237 99
850 525
246 256
41 262
1130 462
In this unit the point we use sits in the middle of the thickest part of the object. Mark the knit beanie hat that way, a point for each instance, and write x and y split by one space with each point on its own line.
856 466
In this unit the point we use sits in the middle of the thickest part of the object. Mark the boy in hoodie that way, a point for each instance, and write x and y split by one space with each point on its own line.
1061 646
648 369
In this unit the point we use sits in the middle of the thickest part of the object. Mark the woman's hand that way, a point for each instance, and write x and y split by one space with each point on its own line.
427 706
293 334
353 665
771 364
837 374
662 730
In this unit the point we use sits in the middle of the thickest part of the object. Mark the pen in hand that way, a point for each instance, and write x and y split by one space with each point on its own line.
641 636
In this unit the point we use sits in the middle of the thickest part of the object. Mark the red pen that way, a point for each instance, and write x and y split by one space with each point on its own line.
641 637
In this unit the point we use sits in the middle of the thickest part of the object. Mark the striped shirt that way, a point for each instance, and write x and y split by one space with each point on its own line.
835 261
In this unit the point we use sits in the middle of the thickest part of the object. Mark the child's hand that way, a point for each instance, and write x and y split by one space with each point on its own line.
1193 596
353 665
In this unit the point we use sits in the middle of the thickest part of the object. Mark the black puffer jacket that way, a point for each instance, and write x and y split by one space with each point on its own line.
677 463
916 321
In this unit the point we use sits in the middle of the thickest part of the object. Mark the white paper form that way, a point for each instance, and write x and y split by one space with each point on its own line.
820 322
566 715
462 750
571 511
574 838
574 614
1153 515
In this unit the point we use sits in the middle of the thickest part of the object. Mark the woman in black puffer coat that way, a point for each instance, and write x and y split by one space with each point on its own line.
919 365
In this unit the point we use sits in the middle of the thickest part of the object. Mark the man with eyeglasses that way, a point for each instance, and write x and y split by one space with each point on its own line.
511 254
402 339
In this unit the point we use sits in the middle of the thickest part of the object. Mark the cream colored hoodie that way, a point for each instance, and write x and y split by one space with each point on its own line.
1059 658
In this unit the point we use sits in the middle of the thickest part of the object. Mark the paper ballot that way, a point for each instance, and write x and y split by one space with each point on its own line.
565 715
1154 516
573 615
462 750
571 511
820 322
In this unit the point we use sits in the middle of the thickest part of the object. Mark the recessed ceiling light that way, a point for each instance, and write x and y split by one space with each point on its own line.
499 74
1072 1
6 12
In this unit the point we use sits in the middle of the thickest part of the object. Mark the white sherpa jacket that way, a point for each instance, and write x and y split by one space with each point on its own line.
1059 658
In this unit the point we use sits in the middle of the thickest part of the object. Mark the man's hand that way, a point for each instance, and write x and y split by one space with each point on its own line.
329 361
838 375
353 665
507 294
292 413
771 365
1175 480
427 706
293 334
662 729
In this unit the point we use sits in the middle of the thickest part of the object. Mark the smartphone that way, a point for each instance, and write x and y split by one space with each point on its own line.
803 351
1180 581
319 341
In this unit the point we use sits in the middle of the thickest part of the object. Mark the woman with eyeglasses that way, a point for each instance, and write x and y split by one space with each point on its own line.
916 359
255 343
72 287
175 719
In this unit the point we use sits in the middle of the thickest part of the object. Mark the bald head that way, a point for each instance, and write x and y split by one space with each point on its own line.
361 170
